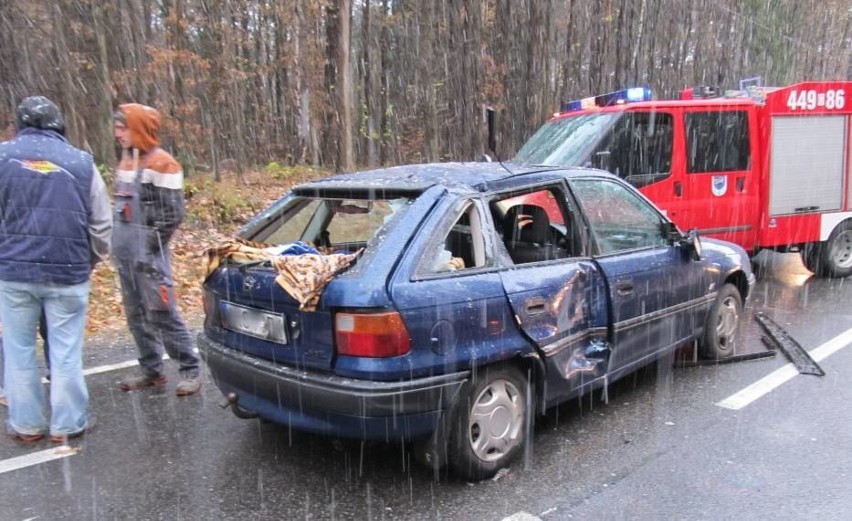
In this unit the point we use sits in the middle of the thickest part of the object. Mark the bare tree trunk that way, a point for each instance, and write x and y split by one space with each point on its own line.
347 162
66 85
369 101
306 145
637 44
535 73
384 104
103 147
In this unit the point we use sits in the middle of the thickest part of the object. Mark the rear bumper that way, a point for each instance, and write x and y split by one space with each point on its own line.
330 404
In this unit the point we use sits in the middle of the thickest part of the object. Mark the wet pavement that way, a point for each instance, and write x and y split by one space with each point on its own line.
662 448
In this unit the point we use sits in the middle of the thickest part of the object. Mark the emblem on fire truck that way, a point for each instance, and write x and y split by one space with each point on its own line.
720 185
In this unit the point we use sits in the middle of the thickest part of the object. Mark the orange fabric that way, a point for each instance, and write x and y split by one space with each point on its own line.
164 295
143 122
158 160
303 277
236 250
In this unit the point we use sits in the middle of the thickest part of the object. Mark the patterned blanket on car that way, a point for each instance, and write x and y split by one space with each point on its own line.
302 276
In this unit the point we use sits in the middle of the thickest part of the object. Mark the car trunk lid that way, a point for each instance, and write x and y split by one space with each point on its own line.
256 316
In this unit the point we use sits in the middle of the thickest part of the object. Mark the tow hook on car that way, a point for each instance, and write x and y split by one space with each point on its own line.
232 401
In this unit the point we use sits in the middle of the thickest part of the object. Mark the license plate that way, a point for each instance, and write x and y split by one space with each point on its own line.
254 322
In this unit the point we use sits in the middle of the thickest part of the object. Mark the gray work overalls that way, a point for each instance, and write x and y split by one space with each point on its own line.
147 288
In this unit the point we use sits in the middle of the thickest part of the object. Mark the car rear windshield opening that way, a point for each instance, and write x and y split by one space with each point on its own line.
331 224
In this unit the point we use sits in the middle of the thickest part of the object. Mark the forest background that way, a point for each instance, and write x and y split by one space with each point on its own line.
258 94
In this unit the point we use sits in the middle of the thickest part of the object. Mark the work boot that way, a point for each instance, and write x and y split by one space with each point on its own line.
187 386
141 382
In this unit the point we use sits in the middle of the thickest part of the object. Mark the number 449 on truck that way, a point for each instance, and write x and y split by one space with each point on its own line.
763 167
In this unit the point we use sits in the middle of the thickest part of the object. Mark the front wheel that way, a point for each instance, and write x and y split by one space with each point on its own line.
812 258
489 429
718 341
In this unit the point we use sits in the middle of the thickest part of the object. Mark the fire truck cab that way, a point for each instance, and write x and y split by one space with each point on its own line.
765 167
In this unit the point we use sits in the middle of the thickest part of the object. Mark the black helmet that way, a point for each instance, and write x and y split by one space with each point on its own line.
40 112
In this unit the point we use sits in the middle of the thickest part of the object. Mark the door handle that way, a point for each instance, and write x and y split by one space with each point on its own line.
535 305
678 189
623 287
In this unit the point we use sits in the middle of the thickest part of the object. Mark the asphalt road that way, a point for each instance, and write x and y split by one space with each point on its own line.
662 448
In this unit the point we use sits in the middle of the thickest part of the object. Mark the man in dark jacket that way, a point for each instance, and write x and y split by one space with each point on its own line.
54 228
149 207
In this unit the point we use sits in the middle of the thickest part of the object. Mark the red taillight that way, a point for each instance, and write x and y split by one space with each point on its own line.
376 335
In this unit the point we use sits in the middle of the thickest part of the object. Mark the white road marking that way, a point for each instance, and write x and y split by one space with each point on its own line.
63 451
111 367
36 458
114 367
522 516
783 374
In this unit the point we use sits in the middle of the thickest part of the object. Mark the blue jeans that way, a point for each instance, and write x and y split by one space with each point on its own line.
65 308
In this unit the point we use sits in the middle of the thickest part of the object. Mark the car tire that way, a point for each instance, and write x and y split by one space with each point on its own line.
812 258
718 341
490 424
837 253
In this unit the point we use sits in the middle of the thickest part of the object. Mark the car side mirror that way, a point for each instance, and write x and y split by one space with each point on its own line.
690 241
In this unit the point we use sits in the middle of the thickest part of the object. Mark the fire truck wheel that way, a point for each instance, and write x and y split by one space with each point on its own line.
812 257
721 328
837 255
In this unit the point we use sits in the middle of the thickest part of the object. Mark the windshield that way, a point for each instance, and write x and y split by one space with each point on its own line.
565 141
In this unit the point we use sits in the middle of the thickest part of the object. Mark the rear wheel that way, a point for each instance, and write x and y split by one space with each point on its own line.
720 331
832 258
489 429
837 255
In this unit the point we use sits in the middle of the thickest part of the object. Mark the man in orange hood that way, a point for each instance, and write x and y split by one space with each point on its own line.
149 207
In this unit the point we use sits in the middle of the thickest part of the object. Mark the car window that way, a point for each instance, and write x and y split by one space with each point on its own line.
339 225
535 227
463 244
619 219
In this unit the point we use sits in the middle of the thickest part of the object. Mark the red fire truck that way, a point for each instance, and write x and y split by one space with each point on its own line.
764 167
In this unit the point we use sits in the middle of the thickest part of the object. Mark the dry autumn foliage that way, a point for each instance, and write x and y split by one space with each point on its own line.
207 201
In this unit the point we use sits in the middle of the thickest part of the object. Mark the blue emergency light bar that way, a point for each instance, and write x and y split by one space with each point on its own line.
618 97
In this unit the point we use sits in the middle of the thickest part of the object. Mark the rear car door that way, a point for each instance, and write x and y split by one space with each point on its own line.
447 288
656 289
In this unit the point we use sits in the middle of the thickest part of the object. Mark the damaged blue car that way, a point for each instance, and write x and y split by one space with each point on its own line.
450 304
